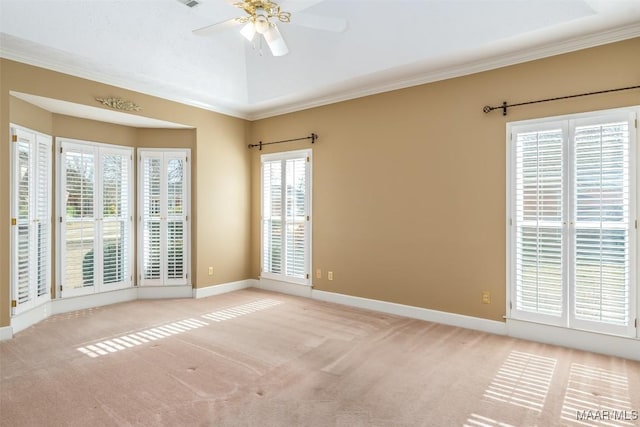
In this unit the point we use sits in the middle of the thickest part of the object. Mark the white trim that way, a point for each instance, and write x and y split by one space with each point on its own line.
22 321
81 302
157 292
6 333
628 348
290 288
15 51
459 320
211 290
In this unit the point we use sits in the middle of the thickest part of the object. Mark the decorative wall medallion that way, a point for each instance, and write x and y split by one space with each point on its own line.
119 104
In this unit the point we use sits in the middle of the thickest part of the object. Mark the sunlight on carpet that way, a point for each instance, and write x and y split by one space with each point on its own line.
123 342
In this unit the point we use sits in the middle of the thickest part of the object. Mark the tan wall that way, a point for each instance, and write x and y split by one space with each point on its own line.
409 186
220 207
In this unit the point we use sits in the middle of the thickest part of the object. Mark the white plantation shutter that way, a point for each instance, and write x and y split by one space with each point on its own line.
31 219
602 222
285 216
572 231
164 178
116 217
539 221
95 209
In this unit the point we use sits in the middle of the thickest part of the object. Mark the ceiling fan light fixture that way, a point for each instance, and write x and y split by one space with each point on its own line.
261 24
275 41
248 31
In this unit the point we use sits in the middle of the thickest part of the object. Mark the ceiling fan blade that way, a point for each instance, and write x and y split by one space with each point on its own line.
319 22
214 28
276 42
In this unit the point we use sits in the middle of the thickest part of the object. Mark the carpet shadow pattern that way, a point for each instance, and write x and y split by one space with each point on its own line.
256 358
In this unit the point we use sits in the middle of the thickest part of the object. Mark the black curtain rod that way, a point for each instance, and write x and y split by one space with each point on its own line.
313 137
504 106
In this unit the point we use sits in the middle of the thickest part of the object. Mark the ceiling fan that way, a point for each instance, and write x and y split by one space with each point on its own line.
261 17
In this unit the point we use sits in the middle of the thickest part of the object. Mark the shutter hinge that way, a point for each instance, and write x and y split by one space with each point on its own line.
60 220
510 221
307 275
13 303
60 289
13 221
636 223
14 138
186 276
636 323
307 159
60 150
636 123
510 305
307 217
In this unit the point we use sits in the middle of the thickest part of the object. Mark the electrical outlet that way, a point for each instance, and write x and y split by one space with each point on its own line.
318 274
486 297
210 271
330 275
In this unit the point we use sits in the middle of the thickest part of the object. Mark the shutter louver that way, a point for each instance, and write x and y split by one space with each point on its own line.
96 247
296 217
23 220
602 223
164 207
31 208
539 216
176 220
151 218
285 204
80 223
272 221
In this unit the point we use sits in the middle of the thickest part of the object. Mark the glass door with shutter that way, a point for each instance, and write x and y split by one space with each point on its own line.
95 218
164 207
286 205
31 165
572 230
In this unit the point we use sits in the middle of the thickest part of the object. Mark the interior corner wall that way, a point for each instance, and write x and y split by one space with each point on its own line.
409 186
220 206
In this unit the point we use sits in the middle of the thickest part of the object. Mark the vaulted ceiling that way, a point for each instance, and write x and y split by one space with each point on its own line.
149 46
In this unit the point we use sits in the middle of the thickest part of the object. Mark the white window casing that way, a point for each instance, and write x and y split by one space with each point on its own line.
95 211
163 210
31 174
286 216
571 225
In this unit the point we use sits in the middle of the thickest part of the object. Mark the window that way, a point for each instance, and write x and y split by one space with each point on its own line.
164 212
30 219
95 210
286 207
572 221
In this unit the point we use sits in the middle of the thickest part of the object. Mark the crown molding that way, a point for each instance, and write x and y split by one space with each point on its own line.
494 62
338 93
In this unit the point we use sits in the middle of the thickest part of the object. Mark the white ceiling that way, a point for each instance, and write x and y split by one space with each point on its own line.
148 45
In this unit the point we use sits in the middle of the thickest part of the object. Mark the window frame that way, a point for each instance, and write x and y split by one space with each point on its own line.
283 157
164 154
37 139
571 121
99 150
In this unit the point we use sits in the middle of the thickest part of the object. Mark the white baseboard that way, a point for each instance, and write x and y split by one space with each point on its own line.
22 321
65 305
209 291
164 292
285 287
612 345
6 333
462 321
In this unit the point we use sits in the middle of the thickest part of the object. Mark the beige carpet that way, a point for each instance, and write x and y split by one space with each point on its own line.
254 358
